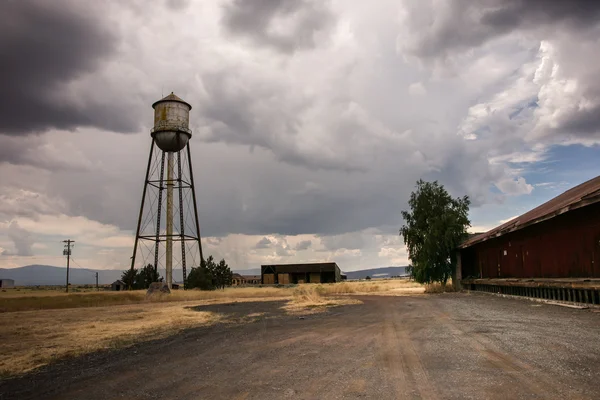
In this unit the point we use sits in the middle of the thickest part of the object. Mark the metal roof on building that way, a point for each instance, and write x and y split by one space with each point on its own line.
585 194
302 267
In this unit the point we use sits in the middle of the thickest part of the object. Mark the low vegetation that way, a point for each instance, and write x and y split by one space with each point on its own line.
140 279
44 301
39 329
210 275
308 299
12 300
438 288
35 338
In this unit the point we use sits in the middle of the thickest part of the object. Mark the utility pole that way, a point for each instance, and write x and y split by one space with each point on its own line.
67 252
97 282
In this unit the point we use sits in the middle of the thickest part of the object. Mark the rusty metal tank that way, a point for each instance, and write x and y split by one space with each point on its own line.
171 130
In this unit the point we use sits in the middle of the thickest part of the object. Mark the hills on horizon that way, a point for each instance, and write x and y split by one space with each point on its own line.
47 275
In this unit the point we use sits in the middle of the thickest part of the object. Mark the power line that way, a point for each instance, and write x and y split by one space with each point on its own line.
73 260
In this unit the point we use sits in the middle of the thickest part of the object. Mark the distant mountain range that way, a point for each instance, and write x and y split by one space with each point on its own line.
385 272
46 275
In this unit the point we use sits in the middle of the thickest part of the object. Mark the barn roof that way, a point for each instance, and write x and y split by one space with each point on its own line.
582 195
301 268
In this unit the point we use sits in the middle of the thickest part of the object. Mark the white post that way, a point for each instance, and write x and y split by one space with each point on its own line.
169 255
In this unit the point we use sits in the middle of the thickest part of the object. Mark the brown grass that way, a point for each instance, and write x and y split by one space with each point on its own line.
38 329
309 299
31 339
45 301
384 287
439 288
12 301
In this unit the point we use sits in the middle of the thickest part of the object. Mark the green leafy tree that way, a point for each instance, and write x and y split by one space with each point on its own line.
435 225
200 277
146 276
222 275
210 275
129 277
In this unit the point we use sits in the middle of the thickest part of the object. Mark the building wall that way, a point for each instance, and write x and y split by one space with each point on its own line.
7 283
300 273
565 246
238 280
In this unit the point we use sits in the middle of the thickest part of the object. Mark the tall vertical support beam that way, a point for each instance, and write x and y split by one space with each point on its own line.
139 224
193 187
181 218
457 276
169 252
158 214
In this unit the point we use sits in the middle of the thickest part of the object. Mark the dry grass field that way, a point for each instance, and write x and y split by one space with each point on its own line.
38 329
17 301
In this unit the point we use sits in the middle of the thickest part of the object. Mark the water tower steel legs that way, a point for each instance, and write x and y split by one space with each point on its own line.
139 224
160 189
170 183
194 200
181 221
169 256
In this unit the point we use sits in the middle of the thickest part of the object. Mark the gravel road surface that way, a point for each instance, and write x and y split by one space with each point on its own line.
449 346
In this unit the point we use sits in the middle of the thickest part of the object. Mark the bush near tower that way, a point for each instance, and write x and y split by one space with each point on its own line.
210 275
140 279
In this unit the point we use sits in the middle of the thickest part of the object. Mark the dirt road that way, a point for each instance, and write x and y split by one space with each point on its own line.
451 346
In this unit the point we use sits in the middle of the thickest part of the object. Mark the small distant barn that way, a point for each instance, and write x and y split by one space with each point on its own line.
118 286
239 279
7 283
327 272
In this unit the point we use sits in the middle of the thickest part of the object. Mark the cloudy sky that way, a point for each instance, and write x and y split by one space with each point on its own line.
311 120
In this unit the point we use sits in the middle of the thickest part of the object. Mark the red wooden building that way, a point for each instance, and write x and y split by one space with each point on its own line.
559 239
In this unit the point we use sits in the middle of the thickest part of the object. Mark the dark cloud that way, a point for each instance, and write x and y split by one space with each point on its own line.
511 14
303 245
45 45
464 24
285 25
36 151
582 122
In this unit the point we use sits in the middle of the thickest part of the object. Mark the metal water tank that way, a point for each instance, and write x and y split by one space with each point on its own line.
171 130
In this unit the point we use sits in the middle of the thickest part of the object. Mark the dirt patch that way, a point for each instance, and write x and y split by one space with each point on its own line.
397 347
31 339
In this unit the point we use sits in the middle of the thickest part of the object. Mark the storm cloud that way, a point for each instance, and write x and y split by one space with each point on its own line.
438 28
44 46
283 25
311 121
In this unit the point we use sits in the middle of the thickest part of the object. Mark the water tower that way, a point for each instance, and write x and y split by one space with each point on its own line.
168 232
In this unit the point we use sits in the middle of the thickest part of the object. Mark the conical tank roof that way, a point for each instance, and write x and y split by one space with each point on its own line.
172 97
